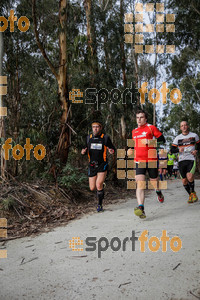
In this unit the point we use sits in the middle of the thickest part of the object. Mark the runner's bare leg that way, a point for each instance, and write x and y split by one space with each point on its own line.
92 183
155 179
101 176
140 192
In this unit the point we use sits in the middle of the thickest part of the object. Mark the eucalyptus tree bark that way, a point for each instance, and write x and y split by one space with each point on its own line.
134 60
123 59
60 75
123 128
91 41
16 106
17 98
105 36
64 142
123 66
2 122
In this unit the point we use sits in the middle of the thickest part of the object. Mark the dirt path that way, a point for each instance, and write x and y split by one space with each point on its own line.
44 267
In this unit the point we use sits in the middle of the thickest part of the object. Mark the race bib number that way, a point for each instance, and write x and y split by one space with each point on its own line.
96 146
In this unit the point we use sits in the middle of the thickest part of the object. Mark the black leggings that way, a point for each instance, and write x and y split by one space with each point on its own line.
170 168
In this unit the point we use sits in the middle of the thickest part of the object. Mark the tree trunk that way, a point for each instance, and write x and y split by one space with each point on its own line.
63 145
123 60
91 39
16 108
134 58
2 122
61 77
105 39
123 128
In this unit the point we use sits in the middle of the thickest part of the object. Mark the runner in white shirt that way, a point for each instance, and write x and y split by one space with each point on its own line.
175 168
185 144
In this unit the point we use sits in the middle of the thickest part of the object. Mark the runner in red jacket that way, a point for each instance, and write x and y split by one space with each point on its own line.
145 157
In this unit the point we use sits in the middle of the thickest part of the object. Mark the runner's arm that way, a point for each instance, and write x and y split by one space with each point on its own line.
129 149
158 134
197 148
109 144
161 139
197 145
85 147
174 148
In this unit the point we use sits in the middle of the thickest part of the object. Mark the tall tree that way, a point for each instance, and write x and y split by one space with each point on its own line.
2 123
91 40
60 75
123 59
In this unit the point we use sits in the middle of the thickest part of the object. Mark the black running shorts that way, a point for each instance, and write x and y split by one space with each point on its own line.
153 172
94 168
186 166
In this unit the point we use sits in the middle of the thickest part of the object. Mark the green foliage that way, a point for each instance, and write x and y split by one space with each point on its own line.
187 30
72 177
8 203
